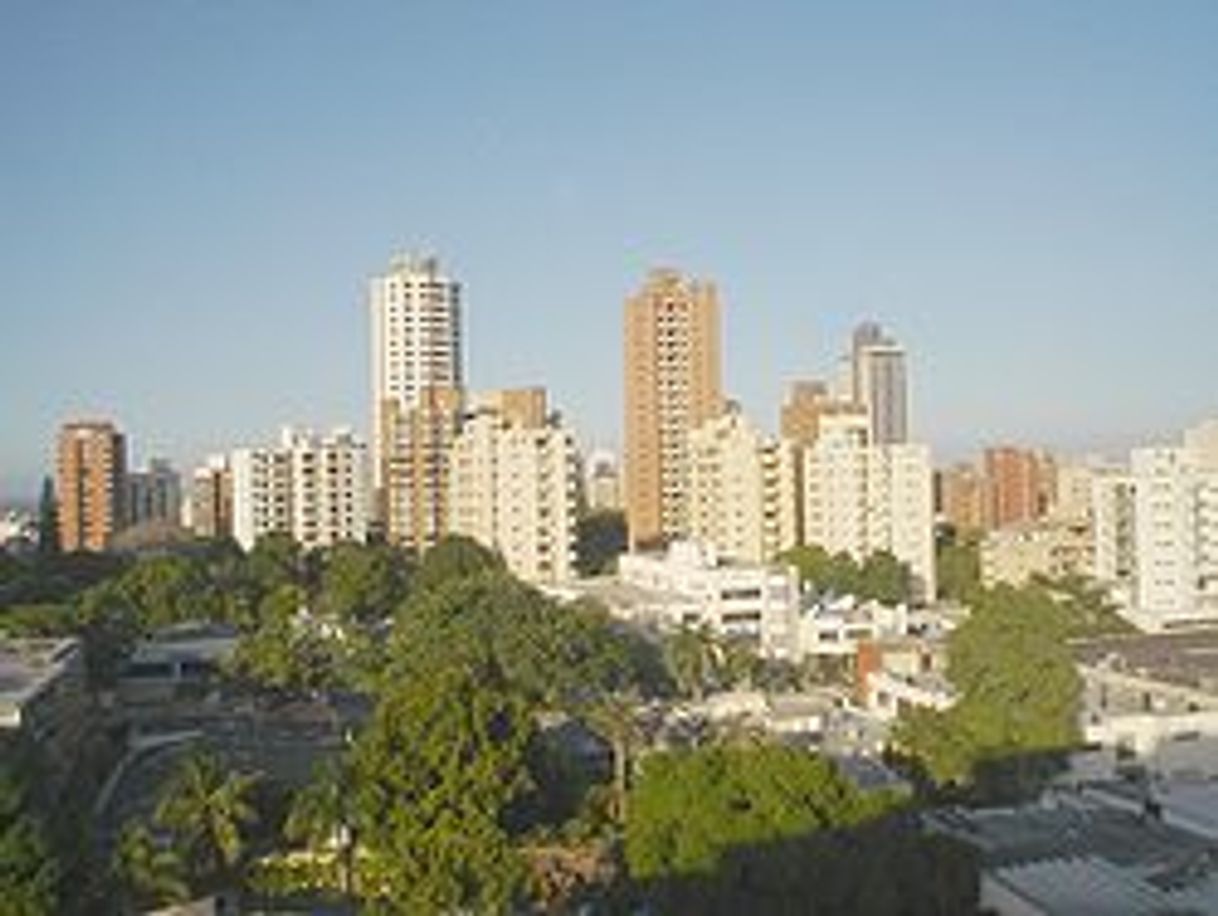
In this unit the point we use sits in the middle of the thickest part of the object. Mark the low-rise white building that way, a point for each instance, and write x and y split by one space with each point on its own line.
838 627
690 586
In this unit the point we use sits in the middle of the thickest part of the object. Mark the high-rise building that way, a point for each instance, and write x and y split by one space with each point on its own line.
799 419
415 466
211 498
603 487
1113 522
262 493
154 494
91 469
673 385
1175 492
862 498
962 497
330 498
880 383
314 488
416 351
1016 486
513 485
742 496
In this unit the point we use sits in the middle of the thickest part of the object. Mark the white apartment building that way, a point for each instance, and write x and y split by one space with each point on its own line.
1112 527
690 586
314 488
329 479
1176 530
262 493
513 486
741 494
417 379
861 498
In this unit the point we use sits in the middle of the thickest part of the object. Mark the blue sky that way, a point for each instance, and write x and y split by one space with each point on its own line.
192 194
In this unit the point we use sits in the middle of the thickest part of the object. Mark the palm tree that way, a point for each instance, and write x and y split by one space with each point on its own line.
320 815
693 656
613 718
208 809
149 868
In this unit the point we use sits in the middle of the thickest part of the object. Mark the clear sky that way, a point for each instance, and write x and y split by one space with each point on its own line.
193 193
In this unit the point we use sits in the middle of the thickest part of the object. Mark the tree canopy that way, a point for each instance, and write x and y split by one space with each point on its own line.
435 775
1019 690
880 577
29 871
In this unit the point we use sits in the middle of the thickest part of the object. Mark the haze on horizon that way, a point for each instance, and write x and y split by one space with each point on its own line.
192 197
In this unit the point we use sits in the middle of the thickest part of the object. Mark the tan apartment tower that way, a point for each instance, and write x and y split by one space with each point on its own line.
91 470
673 381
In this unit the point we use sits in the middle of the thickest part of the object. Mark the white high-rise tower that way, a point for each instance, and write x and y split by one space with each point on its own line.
417 381
416 340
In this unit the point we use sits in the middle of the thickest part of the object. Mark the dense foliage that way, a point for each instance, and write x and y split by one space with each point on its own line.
770 829
1019 694
600 537
880 577
29 871
435 776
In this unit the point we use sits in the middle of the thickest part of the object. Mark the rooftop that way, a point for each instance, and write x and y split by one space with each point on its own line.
1188 659
27 666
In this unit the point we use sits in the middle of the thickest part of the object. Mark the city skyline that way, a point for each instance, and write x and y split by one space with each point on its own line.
1031 217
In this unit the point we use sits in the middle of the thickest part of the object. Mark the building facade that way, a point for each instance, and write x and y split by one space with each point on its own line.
742 490
415 466
690 586
962 497
861 498
416 313
513 485
330 496
90 484
1016 482
154 494
1175 498
880 384
211 498
262 493
672 385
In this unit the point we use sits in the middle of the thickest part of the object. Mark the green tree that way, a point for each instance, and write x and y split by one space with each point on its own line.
362 583
600 538
614 718
694 659
209 811
689 808
561 655
48 519
1019 694
455 557
151 871
435 774
958 568
321 816
29 870
884 578
274 561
